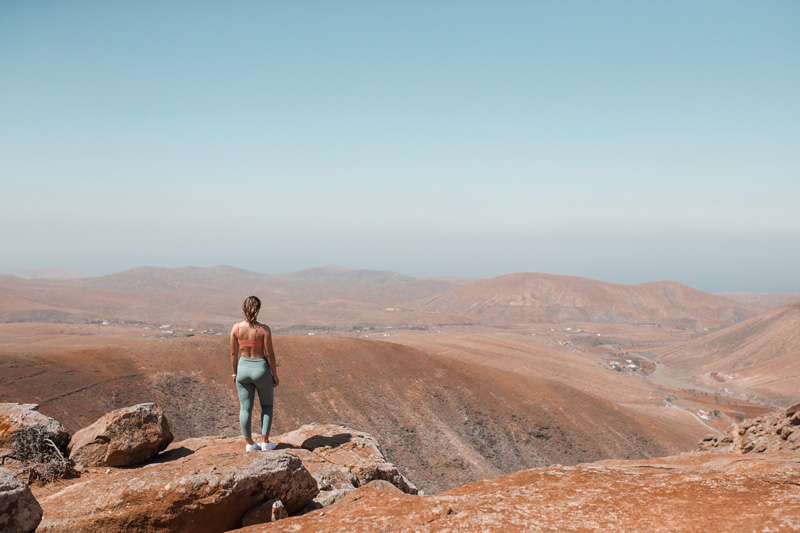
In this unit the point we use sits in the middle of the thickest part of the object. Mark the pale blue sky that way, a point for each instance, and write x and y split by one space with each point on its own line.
624 141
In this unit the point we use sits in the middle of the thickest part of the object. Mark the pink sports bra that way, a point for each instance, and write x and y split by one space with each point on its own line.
251 343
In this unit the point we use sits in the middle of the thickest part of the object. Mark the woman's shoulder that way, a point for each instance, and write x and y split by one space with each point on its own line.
235 328
265 327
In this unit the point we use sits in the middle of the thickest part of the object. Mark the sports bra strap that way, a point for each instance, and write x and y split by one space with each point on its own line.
254 342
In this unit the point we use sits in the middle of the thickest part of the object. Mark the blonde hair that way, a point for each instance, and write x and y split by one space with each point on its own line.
250 308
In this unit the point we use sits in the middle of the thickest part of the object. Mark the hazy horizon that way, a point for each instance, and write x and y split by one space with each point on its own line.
58 273
620 141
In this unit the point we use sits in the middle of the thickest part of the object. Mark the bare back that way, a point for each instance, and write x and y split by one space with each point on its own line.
250 339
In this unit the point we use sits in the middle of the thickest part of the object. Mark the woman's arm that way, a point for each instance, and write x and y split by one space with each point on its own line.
270 353
234 350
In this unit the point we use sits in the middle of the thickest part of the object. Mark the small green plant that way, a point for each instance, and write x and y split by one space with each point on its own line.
41 459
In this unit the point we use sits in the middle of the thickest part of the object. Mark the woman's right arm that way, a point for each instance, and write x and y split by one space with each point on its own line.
234 351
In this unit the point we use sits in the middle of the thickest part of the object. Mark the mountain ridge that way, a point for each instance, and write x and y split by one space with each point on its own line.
335 296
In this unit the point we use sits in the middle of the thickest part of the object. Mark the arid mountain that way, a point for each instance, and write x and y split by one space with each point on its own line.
46 273
458 280
444 421
541 298
327 297
307 286
211 297
74 302
759 355
218 279
372 286
762 301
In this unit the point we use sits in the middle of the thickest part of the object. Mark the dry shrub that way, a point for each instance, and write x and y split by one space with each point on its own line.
41 459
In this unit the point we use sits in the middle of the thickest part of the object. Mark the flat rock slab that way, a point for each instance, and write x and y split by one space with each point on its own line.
14 416
199 485
19 510
689 492
123 437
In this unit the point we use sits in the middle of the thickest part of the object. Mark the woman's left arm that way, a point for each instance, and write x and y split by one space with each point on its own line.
270 353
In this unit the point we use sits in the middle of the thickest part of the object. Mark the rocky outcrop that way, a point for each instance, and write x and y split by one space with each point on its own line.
685 493
14 416
123 437
211 484
342 459
19 510
199 485
778 431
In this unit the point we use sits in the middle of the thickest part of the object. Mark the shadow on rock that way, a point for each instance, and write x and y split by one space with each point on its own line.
172 455
320 441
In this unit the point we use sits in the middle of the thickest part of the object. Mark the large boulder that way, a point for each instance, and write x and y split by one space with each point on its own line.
202 485
123 437
19 510
341 459
15 416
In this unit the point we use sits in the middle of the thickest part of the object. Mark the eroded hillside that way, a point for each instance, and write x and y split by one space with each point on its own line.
444 421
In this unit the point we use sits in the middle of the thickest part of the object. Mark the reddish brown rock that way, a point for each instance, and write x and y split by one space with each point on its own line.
342 459
198 485
123 437
19 510
14 416
183 485
689 492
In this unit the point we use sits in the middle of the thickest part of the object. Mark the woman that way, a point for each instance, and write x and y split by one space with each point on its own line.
255 371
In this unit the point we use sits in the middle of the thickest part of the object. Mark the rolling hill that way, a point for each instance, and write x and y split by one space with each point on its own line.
211 297
761 354
541 298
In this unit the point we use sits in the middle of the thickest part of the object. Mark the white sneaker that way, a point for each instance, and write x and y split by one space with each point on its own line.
265 446
252 447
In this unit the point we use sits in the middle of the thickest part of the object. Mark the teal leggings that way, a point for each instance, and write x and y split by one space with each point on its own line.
253 374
